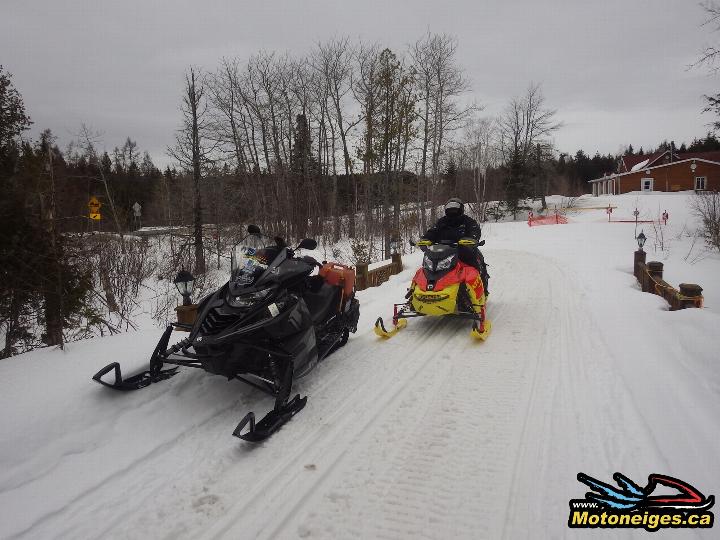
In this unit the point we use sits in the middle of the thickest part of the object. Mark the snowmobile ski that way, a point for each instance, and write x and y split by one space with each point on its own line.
134 382
144 378
271 422
481 332
382 332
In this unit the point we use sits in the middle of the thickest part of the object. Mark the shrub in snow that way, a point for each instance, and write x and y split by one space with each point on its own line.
706 206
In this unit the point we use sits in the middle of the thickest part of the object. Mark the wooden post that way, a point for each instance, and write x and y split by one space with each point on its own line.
655 273
397 263
642 276
691 296
186 314
363 279
639 258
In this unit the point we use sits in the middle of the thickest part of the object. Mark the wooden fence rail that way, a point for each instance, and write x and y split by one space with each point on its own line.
366 278
651 280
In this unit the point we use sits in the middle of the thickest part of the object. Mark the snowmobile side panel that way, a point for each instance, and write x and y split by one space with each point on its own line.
382 332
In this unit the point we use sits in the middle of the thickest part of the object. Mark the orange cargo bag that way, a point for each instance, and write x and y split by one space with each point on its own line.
339 275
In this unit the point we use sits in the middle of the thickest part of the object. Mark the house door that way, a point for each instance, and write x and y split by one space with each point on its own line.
646 184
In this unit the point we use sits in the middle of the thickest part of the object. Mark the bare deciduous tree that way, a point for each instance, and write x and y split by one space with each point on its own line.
525 123
193 149
440 82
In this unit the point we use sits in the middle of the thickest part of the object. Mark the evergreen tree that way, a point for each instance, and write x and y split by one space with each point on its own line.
105 164
302 161
13 119
709 144
515 183
451 177
304 169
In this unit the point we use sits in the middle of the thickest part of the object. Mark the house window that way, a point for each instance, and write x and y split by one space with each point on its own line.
646 184
700 182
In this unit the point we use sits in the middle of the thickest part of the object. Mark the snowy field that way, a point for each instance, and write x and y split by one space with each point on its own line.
427 435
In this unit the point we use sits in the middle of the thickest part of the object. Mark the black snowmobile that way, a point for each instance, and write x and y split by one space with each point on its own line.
270 324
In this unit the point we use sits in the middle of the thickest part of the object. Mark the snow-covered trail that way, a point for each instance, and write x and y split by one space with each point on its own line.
477 440
430 434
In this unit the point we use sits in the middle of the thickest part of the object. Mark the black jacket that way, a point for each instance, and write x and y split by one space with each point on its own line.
452 229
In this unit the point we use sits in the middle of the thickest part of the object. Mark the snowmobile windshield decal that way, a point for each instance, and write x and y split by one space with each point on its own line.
251 257
431 298
665 502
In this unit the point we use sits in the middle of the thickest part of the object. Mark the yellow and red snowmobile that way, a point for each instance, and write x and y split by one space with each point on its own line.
444 286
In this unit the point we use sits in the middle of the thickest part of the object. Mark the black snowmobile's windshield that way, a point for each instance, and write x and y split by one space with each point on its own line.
251 257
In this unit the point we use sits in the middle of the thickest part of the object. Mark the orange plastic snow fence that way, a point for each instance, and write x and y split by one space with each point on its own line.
555 219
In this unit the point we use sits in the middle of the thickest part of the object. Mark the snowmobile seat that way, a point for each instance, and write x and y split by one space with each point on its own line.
322 302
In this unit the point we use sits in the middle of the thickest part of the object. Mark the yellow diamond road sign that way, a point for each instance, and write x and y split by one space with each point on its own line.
94 208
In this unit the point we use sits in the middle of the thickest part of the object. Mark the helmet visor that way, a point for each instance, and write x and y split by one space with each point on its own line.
453 208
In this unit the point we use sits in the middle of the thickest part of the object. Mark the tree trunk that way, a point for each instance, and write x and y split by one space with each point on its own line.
197 207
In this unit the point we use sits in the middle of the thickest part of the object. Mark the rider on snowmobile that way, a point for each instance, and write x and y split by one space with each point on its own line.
454 226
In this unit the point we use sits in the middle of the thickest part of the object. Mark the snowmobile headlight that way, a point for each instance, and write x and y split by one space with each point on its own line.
248 299
445 263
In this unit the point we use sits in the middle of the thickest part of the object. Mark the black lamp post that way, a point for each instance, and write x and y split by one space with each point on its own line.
184 282
641 240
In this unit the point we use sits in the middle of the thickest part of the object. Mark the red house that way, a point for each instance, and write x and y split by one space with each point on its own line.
662 171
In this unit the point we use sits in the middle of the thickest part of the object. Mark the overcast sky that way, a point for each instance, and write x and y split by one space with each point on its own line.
616 70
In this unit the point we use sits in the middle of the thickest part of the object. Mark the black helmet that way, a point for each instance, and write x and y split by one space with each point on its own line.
454 207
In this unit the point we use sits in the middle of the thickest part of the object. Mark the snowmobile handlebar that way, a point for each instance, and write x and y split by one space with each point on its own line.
310 260
424 243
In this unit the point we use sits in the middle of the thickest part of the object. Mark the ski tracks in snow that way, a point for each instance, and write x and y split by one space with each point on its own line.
474 440
428 435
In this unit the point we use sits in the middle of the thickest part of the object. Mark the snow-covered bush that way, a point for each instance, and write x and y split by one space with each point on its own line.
359 251
119 267
706 206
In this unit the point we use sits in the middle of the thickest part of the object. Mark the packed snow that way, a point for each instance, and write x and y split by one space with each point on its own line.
427 435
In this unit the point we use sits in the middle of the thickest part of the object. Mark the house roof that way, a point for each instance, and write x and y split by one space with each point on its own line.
685 158
710 156
628 162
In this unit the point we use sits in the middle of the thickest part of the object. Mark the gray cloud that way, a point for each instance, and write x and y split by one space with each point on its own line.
614 70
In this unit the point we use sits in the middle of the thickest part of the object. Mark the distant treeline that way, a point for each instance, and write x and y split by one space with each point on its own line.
350 140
